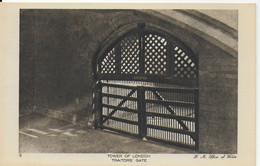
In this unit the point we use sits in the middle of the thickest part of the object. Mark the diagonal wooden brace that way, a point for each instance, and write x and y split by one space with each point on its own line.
170 110
119 105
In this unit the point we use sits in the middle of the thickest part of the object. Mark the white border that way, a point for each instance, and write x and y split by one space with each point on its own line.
192 1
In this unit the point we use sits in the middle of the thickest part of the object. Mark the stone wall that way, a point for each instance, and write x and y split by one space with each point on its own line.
218 100
26 83
57 48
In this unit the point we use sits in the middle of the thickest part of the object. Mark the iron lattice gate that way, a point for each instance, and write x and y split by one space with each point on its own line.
164 114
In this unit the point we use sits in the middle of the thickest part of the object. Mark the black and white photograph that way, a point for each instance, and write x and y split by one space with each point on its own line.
128 81
127 84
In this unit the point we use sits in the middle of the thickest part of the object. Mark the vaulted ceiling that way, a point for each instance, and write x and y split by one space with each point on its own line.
220 27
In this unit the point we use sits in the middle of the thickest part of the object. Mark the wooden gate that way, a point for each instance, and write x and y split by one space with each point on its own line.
168 115
147 86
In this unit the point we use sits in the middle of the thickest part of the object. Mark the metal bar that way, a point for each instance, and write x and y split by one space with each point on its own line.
170 110
120 104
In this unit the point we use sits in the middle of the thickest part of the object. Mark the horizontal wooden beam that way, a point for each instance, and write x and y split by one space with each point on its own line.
181 131
120 108
120 120
170 116
118 96
173 103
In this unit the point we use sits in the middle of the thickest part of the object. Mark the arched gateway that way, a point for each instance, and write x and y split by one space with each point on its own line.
147 86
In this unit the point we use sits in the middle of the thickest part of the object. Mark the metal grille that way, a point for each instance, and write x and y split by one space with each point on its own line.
119 108
168 115
130 55
155 54
184 66
108 64
161 123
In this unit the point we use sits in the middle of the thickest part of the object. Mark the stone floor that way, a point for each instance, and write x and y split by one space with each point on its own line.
41 134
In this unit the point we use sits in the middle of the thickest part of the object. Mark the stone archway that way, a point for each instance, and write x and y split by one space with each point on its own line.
147 86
